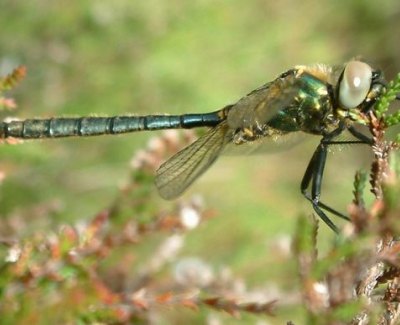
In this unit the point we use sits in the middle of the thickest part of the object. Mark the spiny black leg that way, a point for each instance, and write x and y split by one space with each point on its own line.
315 170
364 139
333 211
325 218
314 173
318 172
307 178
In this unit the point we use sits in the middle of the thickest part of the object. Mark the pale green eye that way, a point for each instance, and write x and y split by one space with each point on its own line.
355 84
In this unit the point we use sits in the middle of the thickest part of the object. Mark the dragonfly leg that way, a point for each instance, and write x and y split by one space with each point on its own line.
314 175
362 137
316 167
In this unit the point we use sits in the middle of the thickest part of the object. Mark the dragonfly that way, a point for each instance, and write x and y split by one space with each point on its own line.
319 99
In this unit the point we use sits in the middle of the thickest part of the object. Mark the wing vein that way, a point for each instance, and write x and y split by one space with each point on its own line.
176 174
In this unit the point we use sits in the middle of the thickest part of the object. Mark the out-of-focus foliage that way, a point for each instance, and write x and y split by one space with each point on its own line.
90 273
78 196
9 82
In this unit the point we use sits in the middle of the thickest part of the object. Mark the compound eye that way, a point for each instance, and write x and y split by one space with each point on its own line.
355 84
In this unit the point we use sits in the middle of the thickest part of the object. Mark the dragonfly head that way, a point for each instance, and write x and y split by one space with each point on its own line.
358 89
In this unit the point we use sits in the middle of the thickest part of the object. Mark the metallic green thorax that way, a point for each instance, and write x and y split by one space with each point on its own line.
311 110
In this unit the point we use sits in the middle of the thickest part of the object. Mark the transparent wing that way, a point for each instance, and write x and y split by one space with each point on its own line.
262 104
179 172
267 145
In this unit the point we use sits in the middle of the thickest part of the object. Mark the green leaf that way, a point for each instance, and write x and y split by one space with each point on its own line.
12 79
346 250
348 311
387 97
359 186
306 234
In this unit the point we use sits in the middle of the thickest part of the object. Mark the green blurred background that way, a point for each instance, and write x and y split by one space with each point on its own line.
144 57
